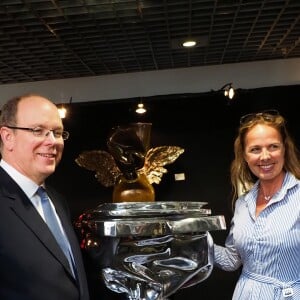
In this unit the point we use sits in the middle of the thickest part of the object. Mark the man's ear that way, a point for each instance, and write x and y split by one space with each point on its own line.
7 137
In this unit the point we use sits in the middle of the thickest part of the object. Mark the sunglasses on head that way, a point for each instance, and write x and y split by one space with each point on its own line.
267 115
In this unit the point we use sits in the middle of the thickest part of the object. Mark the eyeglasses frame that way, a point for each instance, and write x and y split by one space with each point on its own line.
64 134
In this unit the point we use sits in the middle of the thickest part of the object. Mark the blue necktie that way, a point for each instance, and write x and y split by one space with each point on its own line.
53 225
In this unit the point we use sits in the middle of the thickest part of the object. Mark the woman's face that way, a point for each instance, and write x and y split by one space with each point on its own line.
264 151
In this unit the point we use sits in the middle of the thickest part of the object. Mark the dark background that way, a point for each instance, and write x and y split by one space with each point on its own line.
204 125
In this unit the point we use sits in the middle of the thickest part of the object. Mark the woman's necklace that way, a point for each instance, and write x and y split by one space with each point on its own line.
274 188
267 197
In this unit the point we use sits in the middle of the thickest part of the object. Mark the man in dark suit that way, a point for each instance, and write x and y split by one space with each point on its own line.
33 265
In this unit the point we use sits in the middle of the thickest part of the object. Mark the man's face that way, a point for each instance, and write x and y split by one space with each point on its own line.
33 156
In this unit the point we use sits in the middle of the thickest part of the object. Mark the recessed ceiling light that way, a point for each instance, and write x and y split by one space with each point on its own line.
189 44
183 43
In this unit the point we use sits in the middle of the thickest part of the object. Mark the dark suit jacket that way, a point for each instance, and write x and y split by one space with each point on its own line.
32 265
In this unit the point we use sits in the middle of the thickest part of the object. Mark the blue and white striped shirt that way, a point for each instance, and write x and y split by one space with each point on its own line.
268 246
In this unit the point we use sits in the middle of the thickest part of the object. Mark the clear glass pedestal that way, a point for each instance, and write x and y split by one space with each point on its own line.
149 250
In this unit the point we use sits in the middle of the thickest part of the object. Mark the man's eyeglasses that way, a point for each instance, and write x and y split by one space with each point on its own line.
43 132
267 115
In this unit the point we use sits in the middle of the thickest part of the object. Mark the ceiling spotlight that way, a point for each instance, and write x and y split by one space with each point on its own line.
140 109
189 43
229 93
228 90
62 112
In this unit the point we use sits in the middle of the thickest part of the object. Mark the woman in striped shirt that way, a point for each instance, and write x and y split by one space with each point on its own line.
264 236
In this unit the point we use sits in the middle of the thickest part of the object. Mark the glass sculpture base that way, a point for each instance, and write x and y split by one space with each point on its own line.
149 250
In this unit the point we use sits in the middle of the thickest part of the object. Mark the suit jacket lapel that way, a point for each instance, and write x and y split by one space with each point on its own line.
24 209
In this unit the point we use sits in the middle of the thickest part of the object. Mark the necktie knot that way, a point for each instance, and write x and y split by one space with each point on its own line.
43 194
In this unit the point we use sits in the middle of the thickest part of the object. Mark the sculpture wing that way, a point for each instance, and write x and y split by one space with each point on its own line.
157 158
102 163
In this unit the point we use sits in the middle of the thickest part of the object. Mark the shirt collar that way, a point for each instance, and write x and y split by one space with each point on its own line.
27 185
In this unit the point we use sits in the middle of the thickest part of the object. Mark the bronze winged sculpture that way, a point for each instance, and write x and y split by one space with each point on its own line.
128 165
